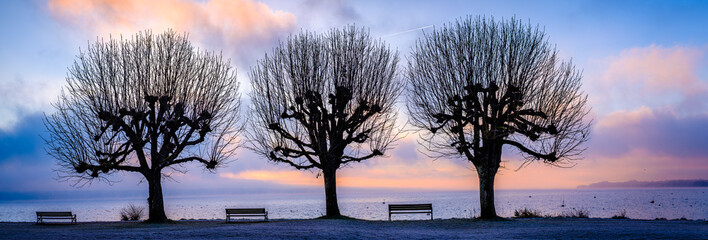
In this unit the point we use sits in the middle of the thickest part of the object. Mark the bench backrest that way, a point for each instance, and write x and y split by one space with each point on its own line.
409 207
245 210
54 214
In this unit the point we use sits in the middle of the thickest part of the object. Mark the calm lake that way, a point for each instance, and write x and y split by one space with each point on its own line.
673 203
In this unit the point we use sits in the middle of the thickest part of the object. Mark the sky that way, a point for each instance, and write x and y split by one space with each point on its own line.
644 70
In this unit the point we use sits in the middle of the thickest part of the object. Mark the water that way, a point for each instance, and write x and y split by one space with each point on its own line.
690 203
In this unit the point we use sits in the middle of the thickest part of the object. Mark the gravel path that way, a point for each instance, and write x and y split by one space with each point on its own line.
360 229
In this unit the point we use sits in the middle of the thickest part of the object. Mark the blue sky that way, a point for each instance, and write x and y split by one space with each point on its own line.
644 70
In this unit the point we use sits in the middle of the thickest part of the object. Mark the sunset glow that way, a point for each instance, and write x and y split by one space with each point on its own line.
647 85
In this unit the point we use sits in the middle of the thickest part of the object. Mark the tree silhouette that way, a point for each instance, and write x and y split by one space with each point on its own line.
144 104
324 101
478 85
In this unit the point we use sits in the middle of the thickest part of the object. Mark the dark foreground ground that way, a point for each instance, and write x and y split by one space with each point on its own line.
360 229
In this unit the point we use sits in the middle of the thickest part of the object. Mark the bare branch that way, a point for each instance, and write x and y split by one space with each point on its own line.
321 101
317 97
478 84
142 104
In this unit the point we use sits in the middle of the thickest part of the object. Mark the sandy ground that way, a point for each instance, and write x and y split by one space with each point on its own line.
360 229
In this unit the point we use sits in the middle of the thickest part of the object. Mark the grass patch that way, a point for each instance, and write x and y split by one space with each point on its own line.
576 213
527 213
622 215
131 213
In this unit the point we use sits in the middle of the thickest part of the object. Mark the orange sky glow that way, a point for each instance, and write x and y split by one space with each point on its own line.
649 98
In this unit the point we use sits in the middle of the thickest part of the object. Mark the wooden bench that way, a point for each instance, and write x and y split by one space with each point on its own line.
41 216
246 212
410 209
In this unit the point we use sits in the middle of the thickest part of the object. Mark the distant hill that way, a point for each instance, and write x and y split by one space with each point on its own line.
649 184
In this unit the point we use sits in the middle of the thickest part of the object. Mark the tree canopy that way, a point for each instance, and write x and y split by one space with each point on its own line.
144 104
324 101
478 84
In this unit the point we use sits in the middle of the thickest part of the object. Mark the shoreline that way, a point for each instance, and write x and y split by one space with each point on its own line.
502 219
538 228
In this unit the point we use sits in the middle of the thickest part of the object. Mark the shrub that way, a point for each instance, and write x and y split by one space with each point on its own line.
622 215
576 213
527 213
131 213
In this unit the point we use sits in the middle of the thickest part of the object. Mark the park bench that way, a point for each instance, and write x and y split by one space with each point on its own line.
410 209
246 212
41 216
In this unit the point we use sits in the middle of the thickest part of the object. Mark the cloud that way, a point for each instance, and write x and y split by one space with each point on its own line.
321 15
22 97
651 116
339 8
636 164
657 131
242 29
402 169
651 76
233 25
287 177
656 69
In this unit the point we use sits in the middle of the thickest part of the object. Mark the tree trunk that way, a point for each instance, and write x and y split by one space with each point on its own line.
156 204
486 192
330 181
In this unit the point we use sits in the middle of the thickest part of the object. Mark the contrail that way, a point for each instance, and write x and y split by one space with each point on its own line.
406 31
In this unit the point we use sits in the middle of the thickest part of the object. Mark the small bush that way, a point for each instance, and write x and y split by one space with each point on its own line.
131 213
622 215
576 213
527 213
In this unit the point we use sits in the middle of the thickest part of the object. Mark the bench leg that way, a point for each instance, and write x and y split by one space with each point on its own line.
389 216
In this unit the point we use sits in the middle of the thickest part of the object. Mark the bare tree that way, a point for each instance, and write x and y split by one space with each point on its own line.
478 85
144 104
324 101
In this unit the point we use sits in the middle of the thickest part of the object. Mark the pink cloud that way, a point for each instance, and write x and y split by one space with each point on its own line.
652 76
231 24
624 118
286 177
651 119
657 69
661 132
636 164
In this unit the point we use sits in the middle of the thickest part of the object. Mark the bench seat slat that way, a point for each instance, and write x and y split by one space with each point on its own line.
41 216
54 214
410 205
410 209
246 212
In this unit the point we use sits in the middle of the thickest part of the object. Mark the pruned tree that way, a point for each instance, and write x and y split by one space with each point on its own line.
325 101
144 105
478 85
